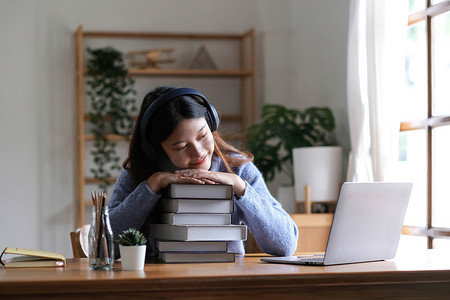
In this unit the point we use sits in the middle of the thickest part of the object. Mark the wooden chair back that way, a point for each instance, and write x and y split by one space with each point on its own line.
79 240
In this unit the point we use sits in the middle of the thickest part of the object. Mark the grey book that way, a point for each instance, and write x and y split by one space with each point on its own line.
196 257
198 191
196 219
198 232
199 246
197 206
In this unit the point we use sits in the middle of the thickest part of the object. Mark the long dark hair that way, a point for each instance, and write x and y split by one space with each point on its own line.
141 165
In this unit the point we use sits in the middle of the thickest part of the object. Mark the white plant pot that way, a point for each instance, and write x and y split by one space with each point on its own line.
321 169
133 257
287 198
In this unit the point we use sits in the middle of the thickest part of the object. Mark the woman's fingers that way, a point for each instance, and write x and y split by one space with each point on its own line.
211 177
185 179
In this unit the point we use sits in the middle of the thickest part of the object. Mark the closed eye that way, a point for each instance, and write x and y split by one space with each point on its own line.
181 148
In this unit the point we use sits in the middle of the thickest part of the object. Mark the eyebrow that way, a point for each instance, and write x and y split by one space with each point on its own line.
179 142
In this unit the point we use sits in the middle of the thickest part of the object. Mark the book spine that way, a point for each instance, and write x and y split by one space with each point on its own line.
196 205
196 191
197 257
179 246
196 219
199 232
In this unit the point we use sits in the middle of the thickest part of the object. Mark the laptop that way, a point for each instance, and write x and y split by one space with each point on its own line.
367 225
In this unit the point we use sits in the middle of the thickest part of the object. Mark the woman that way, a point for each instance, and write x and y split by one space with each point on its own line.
175 141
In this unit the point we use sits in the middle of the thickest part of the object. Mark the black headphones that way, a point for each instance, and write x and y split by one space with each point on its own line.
211 115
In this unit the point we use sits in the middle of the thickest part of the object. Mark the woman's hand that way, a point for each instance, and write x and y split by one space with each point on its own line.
211 177
160 180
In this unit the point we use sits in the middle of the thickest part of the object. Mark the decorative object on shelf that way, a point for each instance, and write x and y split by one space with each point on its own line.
203 60
112 101
149 59
132 246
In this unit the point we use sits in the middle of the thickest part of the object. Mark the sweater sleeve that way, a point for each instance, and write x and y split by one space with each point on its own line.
130 205
273 229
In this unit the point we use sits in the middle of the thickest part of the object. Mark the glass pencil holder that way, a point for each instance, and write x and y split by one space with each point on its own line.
101 242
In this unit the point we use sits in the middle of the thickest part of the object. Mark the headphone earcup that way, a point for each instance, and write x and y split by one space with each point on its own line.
212 117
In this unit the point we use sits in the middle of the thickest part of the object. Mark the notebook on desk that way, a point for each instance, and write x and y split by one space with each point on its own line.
367 225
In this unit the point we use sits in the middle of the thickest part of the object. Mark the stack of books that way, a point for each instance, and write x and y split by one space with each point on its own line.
196 224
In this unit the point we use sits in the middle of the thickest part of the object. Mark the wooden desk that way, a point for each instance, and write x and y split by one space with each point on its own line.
421 276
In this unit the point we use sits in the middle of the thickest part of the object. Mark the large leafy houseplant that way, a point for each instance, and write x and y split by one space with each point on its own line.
112 101
282 130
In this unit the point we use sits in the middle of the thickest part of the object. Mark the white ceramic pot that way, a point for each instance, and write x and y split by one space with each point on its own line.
133 257
321 169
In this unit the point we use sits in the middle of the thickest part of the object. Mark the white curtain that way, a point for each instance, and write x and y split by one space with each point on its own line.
375 68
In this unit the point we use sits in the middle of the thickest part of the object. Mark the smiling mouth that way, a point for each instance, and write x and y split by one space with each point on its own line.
201 161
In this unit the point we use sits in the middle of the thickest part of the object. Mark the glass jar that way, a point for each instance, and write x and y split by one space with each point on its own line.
101 242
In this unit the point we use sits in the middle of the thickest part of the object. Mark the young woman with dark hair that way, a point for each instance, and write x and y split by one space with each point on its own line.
175 140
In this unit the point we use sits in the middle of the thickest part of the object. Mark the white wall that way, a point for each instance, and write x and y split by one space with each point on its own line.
37 86
319 61
311 71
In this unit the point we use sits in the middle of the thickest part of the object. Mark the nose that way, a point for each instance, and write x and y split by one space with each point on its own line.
197 150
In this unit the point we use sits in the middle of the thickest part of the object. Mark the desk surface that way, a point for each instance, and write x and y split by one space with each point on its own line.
425 275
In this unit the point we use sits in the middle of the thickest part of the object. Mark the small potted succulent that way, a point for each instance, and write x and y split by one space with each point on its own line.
132 246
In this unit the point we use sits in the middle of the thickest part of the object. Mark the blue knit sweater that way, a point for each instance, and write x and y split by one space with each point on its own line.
275 232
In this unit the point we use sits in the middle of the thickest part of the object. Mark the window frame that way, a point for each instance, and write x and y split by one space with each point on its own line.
429 123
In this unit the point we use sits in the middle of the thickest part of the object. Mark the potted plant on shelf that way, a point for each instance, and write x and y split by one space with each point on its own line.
282 130
132 247
112 102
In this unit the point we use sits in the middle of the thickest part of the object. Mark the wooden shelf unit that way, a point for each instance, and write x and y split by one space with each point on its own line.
187 72
245 74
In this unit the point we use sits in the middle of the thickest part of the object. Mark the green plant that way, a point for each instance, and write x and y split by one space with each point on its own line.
282 130
132 237
112 100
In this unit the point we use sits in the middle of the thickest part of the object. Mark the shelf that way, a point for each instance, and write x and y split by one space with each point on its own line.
187 72
117 137
223 118
159 35
92 180
243 73
109 137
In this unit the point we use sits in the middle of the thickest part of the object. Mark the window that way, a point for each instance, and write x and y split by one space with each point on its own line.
424 143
